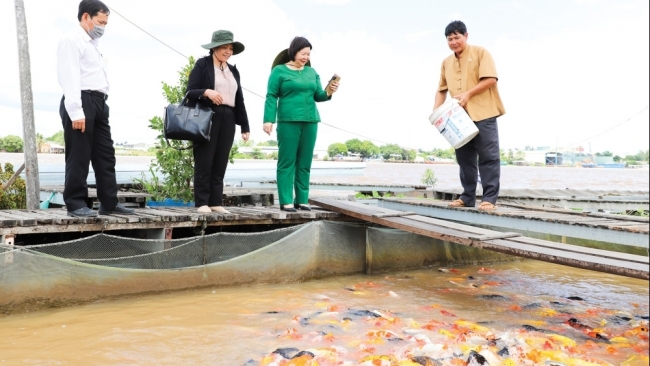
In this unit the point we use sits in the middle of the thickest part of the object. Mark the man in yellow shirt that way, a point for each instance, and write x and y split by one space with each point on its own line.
470 76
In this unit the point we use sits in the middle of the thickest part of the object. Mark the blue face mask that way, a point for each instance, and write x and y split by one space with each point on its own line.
96 32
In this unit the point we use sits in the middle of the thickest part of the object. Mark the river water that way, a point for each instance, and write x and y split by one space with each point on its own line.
534 311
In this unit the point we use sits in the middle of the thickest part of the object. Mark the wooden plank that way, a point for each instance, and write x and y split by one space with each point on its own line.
452 225
583 250
57 217
584 261
576 257
495 236
571 212
168 215
19 219
34 215
7 221
398 214
251 212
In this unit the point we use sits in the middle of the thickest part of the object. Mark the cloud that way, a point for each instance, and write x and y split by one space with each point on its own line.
417 36
560 84
332 2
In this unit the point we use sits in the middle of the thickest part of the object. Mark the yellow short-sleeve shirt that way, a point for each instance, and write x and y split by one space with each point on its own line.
459 75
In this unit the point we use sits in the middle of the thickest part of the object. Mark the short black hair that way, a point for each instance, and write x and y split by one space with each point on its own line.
296 45
455 27
92 7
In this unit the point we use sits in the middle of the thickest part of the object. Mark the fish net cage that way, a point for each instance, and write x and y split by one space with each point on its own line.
104 265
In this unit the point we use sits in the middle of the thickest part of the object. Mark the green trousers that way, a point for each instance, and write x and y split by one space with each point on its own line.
296 141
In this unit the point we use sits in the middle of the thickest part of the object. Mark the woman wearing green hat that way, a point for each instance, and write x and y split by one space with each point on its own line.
293 90
216 84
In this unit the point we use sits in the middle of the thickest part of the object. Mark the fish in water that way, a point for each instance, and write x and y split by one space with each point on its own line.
426 361
492 297
287 353
530 328
363 313
575 298
475 359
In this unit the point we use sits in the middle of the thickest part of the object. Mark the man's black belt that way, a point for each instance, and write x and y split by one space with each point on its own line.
95 93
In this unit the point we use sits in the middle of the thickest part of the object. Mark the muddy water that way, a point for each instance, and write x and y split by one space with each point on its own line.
237 326
231 326
512 177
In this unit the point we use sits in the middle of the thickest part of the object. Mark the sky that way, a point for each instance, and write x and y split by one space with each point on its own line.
571 72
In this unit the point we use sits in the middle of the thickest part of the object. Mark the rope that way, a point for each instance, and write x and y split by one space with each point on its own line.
250 91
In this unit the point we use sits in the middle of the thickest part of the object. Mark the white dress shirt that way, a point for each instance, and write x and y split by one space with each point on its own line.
80 66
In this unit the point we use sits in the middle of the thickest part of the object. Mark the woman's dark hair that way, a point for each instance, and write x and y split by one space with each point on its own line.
92 7
296 45
455 27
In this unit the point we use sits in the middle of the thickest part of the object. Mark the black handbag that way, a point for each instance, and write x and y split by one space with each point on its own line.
186 123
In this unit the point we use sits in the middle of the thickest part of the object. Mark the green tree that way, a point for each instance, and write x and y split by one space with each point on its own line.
387 150
15 197
408 154
519 156
354 146
176 166
12 143
368 149
449 153
337 148
243 143
429 178
57 138
257 153
268 143
39 140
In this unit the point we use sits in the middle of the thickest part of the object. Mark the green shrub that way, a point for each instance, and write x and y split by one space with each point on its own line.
15 197
429 178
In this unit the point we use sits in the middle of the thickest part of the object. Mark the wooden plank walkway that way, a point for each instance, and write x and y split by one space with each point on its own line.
614 200
124 196
596 226
15 222
509 243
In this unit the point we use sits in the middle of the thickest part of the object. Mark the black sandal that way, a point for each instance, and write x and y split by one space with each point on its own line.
302 207
287 209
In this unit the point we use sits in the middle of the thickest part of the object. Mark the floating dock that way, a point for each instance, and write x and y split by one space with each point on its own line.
595 226
503 242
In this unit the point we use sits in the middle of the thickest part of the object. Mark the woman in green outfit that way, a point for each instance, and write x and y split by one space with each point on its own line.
293 90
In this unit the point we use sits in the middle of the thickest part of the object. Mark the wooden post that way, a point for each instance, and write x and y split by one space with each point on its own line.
27 102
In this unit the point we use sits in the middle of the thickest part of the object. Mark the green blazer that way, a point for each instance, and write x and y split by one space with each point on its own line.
291 95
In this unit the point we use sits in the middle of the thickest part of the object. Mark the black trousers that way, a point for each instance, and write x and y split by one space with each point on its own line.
95 146
211 158
485 147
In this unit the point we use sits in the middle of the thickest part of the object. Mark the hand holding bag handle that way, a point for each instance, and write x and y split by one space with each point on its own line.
185 123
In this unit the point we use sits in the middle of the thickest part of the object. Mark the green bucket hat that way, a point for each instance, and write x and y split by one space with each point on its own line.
221 37
283 58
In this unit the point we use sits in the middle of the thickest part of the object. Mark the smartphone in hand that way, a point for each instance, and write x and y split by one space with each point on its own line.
334 79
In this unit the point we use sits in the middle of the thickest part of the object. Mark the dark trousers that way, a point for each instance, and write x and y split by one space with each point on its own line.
211 159
485 148
95 146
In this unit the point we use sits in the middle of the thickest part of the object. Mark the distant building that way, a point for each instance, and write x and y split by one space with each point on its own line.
139 146
50 148
56 148
553 158
44 148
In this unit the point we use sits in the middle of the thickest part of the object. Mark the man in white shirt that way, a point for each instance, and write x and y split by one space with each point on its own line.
84 114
